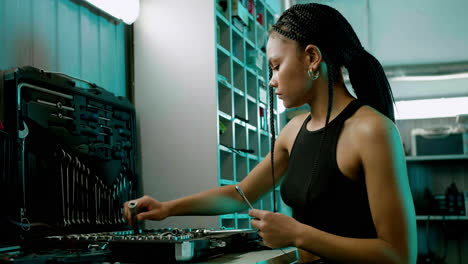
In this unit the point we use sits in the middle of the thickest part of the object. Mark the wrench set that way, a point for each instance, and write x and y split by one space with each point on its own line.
84 198
73 154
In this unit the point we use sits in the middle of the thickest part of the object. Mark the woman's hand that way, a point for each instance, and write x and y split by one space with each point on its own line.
148 209
277 230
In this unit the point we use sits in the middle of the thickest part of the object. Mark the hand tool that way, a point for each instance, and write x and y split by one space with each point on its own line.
133 208
68 186
58 105
61 159
239 190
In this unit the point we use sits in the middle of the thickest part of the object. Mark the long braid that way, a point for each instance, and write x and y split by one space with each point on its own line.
272 131
327 120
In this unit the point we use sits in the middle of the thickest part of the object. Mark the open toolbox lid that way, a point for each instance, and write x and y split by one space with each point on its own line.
73 155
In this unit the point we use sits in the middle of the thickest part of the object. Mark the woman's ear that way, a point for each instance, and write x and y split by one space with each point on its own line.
314 55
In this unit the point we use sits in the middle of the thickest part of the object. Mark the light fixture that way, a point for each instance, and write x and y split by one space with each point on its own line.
431 108
125 10
463 75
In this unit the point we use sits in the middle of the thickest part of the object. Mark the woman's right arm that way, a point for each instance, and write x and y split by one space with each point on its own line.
224 199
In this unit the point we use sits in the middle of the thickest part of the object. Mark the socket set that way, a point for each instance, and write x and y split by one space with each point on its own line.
167 245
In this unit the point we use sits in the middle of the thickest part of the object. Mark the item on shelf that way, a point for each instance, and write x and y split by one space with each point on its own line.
262 93
222 128
239 11
260 18
261 38
238 24
450 203
427 204
465 142
466 203
462 121
252 58
454 200
259 61
251 7
263 120
436 141
269 26
221 5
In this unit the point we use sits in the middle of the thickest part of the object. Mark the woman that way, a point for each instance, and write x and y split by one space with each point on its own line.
346 177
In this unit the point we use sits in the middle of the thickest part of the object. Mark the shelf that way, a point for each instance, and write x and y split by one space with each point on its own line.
252 157
227 182
224 98
235 215
221 48
241 168
251 128
437 157
222 17
250 70
441 218
224 148
220 78
241 61
264 133
237 121
236 60
223 65
238 32
243 216
224 115
251 99
228 216
239 92
238 45
248 41
253 141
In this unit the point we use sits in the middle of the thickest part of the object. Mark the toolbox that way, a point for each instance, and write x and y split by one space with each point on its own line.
72 155
69 162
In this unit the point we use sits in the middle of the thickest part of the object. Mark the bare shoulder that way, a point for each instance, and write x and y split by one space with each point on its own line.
289 132
367 123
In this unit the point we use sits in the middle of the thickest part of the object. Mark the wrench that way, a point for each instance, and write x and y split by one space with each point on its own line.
88 174
96 200
60 154
68 161
74 202
83 193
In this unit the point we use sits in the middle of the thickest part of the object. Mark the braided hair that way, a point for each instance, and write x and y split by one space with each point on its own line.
326 28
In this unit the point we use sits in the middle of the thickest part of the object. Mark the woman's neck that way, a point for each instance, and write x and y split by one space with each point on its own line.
319 106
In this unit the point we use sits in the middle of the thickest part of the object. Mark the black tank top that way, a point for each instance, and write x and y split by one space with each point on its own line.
333 203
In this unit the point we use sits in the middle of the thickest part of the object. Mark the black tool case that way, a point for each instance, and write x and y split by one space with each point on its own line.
72 156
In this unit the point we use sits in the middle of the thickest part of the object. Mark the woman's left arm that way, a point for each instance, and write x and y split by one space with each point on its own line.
390 201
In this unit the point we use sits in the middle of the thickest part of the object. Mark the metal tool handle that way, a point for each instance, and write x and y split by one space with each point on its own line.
239 190
228 231
132 206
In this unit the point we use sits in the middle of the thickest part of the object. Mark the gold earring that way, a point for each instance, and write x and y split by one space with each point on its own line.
312 75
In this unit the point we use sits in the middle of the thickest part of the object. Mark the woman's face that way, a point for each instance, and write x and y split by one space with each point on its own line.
289 71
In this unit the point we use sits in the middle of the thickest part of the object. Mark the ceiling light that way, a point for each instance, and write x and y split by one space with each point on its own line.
125 10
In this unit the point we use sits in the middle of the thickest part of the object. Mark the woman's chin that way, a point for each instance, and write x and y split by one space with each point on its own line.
289 105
